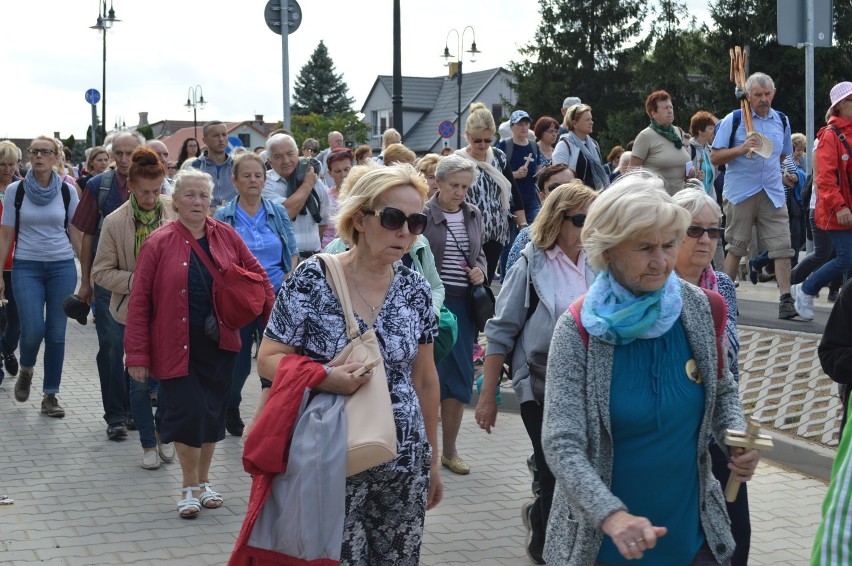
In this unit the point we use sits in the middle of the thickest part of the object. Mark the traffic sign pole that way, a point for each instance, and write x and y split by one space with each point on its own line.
92 96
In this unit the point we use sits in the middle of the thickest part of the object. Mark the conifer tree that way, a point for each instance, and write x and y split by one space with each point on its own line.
318 89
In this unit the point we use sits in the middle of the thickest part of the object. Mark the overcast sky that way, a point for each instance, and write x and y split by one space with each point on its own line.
162 47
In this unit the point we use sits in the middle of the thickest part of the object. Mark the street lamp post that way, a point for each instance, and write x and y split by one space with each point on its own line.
459 59
105 21
194 99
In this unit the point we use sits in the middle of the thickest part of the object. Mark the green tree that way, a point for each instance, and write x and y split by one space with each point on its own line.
317 126
318 88
581 48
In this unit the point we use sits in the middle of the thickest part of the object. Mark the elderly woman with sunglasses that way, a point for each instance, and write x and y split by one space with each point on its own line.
455 233
693 265
494 192
380 215
547 180
551 275
636 387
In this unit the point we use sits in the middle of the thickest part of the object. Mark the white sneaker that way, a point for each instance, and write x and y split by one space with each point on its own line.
150 460
803 302
167 451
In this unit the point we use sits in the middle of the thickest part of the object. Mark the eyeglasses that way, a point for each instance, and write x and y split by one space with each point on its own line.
698 231
482 140
552 187
393 219
577 220
39 151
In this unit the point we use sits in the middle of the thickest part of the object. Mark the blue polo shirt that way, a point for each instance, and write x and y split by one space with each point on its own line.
746 177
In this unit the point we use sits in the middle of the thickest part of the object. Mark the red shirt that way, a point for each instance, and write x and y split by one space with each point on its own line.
88 215
157 333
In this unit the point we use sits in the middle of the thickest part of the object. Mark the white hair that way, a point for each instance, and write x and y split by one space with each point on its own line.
279 138
693 198
761 79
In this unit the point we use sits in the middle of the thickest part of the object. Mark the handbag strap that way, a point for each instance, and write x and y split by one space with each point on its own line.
199 251
461 251
203 281
337 281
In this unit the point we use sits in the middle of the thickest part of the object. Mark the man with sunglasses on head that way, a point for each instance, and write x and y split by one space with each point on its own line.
305 199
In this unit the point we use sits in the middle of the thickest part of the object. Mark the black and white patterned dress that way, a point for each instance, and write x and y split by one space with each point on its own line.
485 194
308 316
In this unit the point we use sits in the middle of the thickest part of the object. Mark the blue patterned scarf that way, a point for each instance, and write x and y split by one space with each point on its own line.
617 316
39 195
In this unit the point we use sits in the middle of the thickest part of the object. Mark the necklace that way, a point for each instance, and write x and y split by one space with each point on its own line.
372 308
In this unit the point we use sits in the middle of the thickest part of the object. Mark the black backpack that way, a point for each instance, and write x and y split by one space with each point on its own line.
738 117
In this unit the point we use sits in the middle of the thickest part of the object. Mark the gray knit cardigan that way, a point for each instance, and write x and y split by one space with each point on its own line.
577 436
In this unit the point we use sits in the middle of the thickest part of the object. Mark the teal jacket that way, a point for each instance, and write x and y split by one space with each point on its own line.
422 260
277 220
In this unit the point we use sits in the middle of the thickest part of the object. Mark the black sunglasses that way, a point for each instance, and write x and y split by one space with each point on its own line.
698 231
577 220
393 219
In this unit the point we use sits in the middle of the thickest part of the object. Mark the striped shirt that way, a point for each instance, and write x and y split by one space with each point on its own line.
833 544
453 272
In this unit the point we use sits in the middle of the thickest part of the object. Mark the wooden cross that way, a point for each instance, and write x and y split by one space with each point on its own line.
750 439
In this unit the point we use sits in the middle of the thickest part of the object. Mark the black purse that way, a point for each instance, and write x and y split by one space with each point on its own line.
481 296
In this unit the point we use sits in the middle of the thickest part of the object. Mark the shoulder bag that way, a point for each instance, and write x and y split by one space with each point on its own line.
481 296
238 294
370 426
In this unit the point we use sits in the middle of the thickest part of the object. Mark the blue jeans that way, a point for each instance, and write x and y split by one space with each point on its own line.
140 407
842 240
12 334
110 360
242 366
47 283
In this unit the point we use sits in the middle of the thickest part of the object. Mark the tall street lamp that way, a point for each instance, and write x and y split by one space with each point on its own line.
104 23
194 99
458 68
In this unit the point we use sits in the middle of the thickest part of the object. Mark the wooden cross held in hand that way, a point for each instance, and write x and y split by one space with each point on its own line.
750 439
739 60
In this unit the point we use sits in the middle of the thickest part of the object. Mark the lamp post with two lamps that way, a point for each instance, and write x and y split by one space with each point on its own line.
194 99
105 21
458 68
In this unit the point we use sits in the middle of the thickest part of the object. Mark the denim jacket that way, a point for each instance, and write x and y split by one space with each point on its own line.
276 219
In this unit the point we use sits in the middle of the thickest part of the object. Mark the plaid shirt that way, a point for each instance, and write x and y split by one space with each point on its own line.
87 217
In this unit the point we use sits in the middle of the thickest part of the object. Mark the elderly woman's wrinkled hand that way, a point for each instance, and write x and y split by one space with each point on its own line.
486 413
632 535
743 463
475 275
343 381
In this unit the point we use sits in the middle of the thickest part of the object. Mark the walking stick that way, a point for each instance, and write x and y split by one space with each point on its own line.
739 59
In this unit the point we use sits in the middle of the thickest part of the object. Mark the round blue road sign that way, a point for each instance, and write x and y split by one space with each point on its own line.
93 96
447 129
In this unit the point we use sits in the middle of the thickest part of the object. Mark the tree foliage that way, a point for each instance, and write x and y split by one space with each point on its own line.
318 89
613 54
317 126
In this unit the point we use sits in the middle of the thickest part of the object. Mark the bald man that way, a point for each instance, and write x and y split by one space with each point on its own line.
162 152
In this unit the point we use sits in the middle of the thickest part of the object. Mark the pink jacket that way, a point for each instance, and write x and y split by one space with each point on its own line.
157 333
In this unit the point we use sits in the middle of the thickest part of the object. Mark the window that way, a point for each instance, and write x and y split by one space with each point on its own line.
246 139
497 112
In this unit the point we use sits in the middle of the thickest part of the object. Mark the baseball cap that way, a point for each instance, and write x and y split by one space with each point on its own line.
76 309
519 115
571 101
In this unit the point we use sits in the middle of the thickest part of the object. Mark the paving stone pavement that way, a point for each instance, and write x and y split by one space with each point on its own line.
81 499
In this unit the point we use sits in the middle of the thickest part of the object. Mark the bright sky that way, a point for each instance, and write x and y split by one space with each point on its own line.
163 47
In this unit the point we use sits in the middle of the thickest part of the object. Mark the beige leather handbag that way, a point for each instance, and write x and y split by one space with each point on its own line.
370 427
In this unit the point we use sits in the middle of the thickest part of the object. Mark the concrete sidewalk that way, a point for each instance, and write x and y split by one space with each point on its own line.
81 499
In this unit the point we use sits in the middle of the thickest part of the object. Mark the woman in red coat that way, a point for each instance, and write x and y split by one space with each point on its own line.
170 300
834 197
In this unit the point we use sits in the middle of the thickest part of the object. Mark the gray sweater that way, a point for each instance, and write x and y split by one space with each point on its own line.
577 436
511 330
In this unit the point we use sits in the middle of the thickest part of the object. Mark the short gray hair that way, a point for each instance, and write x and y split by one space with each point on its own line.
452 164
761 79
633 205
132 133
693 198
191 174
278 138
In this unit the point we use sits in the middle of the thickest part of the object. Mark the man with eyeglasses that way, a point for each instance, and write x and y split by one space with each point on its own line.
754 192
307 203
104 193
217 163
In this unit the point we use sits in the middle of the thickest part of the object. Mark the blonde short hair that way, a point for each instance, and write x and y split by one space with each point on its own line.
693 198
186 175
574 113
799 141
368 189
573 195
390 136
398 153
633 205
9 152
427 162
353 177
479 119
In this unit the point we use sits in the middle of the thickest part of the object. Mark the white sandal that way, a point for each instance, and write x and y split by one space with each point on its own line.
189 507
207 495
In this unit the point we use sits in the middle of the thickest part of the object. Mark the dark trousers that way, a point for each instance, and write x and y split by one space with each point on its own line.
12 334
737 511
110 361
533 415
492 250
